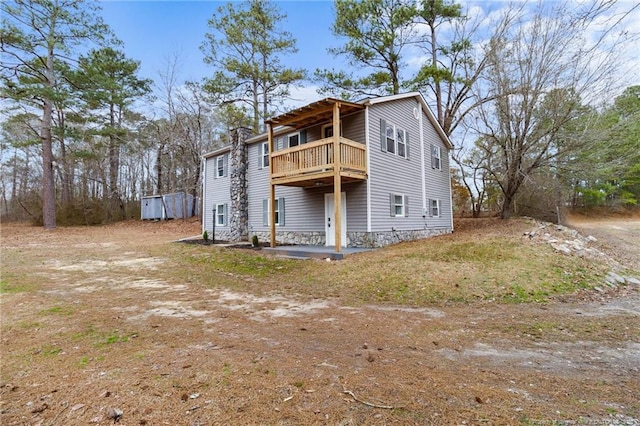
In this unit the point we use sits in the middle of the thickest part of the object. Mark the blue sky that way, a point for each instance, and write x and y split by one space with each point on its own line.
152 31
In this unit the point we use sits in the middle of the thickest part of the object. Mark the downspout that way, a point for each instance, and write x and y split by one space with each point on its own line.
204 194
422 166
367 142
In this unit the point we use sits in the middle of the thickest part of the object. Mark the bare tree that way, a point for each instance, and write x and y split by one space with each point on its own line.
539 76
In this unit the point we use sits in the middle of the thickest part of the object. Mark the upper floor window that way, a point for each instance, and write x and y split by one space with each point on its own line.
327 130
436 158
294 140
394 139
263 160
221 166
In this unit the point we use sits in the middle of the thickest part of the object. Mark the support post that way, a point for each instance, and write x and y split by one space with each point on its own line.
337 187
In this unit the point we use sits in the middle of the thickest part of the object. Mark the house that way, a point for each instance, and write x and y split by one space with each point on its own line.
383 177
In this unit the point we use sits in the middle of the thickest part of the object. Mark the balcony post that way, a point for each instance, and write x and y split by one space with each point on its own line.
337 166
272 188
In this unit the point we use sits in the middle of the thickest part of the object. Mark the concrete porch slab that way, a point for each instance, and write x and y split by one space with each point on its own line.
316 252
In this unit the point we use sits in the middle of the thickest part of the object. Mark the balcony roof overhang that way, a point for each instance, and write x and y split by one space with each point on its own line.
314 113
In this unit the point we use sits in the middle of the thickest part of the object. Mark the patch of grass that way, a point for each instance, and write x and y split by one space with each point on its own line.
493 263
85 360
103 338
50 350
244 263
570 329
58 310
7 287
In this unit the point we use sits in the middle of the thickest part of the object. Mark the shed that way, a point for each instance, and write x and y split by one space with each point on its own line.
152 208
177 205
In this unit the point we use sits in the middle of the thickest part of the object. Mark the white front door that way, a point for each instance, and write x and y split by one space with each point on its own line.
330 219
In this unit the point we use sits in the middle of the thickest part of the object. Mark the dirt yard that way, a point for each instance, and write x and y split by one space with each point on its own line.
105 325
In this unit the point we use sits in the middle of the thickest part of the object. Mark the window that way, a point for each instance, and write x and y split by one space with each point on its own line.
327 130
263 161
279 212
394 139
221 214
436 159
401 143
391 140
294 140
399 205
434 207
221 166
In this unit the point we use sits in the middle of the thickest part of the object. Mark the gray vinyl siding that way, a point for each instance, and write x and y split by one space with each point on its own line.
304 207
217 192
438 182
392 174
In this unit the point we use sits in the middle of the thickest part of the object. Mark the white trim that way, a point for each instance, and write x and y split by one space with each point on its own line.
219 151
261 149
324 126
395 204
204 196
422 165
425 108
218 215
367 142
217 169
288 139
450 192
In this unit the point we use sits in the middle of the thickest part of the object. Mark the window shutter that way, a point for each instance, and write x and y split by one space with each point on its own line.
260 153
281 210
429 207
265 212
392 205
225 162
406 206
225 218
383 135
303 136
433 160
406 144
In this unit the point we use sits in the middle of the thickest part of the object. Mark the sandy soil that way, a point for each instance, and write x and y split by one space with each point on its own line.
99 335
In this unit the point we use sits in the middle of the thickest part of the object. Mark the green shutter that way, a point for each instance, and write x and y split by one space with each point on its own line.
406 144
392 205
225 162
281 210
265 212
303 136
225 218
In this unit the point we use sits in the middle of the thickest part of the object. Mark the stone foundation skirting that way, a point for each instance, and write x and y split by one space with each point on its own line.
354 239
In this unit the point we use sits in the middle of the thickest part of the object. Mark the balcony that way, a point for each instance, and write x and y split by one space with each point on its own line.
314 163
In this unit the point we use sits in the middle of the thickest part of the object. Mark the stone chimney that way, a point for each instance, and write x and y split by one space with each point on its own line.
239 218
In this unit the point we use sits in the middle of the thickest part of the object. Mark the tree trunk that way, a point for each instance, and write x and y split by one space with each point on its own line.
48 184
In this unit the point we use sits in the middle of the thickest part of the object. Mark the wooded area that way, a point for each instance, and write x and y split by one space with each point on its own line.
534 108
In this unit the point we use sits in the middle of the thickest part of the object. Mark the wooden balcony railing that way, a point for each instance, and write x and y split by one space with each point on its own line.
309 160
